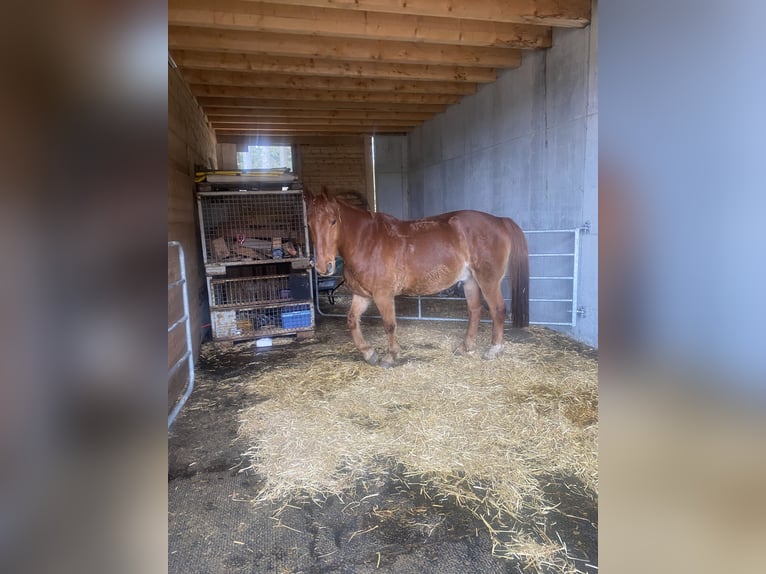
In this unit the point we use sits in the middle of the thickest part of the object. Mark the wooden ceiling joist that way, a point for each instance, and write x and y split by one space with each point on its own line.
566 14
322 95
265 113
271 138
286 139
247 128
199 60
315 20
289 105
246 120
283 81
245 42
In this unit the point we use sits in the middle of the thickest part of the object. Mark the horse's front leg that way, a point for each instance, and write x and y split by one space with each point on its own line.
359 305
386 307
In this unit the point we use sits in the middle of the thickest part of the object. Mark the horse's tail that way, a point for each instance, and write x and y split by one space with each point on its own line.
518 264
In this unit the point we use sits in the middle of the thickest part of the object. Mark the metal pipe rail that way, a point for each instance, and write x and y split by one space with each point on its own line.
188 356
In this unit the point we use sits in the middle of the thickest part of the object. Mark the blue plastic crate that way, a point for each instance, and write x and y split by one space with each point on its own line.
295 319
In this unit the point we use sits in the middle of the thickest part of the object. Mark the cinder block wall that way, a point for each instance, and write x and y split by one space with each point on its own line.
339 166
191 144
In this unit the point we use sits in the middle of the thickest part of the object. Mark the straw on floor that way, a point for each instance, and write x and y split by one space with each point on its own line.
482 433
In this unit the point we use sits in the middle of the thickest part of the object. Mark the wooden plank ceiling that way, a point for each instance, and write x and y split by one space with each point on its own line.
340 67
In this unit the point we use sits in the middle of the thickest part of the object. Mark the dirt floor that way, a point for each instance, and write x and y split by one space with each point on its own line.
392 523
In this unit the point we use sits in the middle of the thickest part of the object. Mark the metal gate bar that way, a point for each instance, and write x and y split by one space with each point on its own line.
184 319
574 277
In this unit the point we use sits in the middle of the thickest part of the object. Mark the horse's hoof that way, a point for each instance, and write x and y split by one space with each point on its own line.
372 359
387 363
493 352
462 350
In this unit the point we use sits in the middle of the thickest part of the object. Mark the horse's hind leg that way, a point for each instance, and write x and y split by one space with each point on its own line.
473 299
388 314
494 298
359 305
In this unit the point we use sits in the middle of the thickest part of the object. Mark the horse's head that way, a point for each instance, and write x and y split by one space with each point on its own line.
324 224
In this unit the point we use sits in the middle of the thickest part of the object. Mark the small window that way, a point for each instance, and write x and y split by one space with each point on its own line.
278 157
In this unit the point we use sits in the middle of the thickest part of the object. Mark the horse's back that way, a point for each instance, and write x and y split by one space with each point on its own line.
461 220
479 226
473 236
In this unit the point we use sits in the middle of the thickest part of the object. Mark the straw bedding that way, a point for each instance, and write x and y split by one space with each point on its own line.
483 434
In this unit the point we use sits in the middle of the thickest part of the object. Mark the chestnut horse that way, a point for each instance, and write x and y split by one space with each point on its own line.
384 257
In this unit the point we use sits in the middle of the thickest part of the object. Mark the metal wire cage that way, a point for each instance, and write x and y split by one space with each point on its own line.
249 290
255 248
262 321
247 226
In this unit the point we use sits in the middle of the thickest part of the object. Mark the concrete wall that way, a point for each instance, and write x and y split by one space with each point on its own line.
523 147
191 144
391 175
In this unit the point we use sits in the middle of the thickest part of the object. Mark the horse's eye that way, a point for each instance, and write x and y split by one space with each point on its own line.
333 221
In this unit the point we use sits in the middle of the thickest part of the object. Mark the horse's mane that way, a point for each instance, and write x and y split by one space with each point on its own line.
357 209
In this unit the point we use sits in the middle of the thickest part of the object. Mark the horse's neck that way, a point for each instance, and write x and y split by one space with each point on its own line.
357 226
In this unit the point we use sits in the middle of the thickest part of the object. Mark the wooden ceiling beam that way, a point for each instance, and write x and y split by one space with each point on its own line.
251 121
268 138
316 20
243 141
266 113
569 13
322 95
265 128
196 60
182 37
283 104
283 81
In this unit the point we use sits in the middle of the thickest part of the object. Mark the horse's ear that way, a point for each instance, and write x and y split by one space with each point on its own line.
308 197
324 193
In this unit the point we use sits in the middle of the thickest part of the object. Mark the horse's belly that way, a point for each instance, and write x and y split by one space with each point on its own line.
427 281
